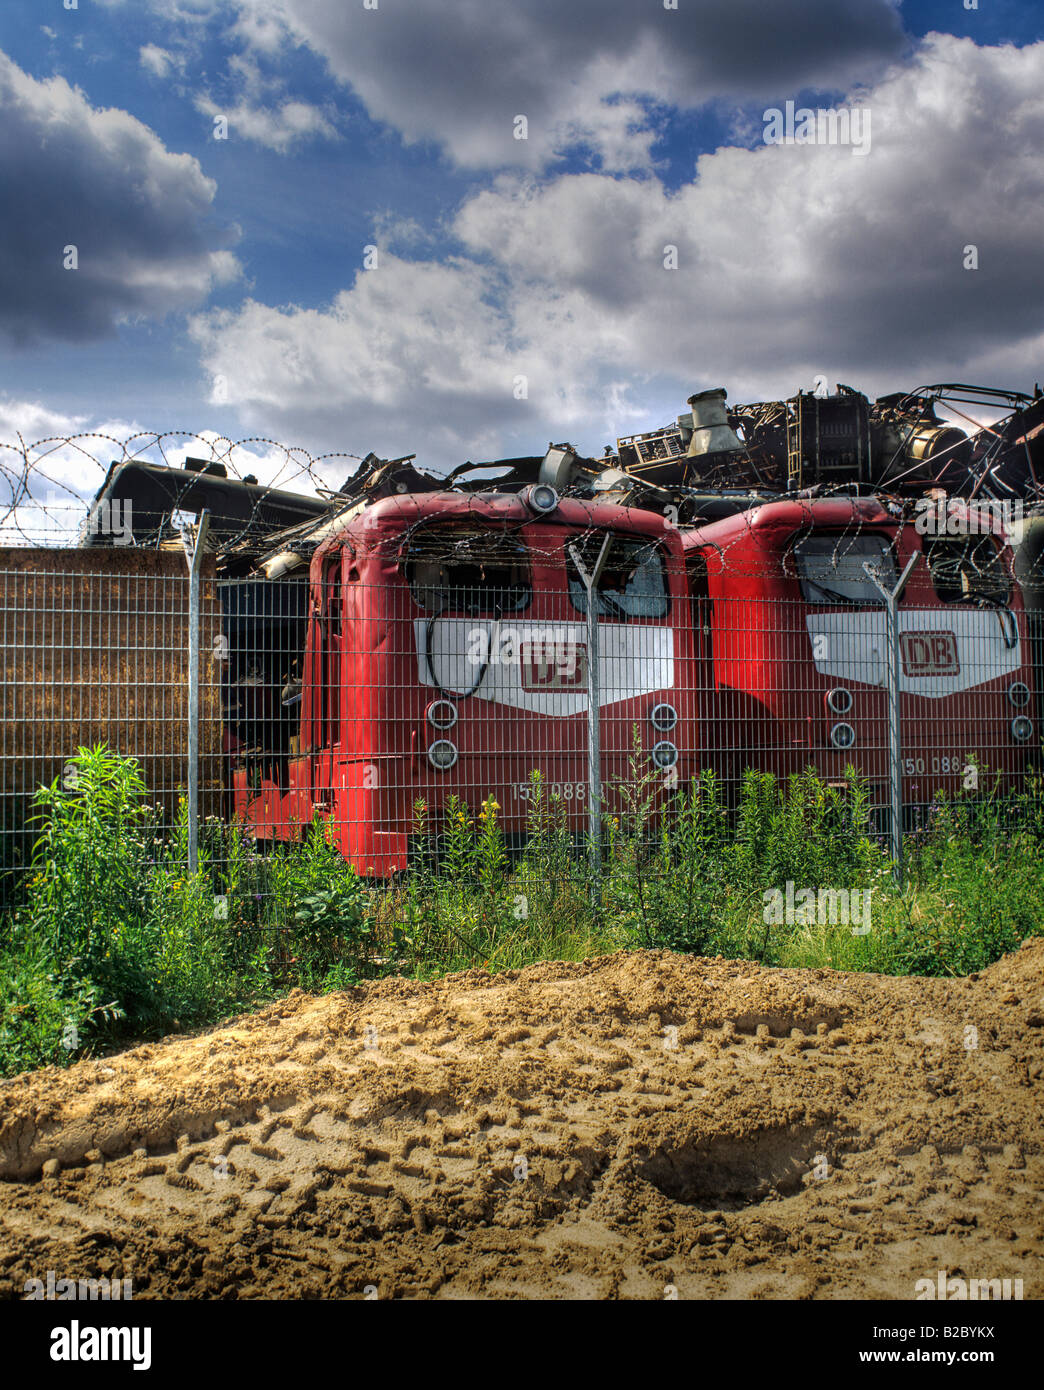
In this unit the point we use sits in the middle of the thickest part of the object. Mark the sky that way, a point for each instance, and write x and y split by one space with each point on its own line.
464 228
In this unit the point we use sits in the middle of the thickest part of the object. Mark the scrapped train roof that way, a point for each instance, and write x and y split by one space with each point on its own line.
711 464
154 494
794 513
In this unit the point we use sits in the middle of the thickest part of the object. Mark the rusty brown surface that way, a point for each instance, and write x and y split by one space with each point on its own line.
95 650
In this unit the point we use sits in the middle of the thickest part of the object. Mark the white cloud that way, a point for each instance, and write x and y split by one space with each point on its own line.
583 73
793 260
373 357
460 74
159 61
276 127
259 110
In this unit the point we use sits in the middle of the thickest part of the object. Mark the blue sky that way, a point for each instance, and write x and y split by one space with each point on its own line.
220 282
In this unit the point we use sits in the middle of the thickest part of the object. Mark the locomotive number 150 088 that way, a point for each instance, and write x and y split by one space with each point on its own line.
565 791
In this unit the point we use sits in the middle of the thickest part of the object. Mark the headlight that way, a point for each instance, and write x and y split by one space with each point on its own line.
663 718
540 498
1022 729
1019 694
839 699
442 755
664 754
442 714
842 736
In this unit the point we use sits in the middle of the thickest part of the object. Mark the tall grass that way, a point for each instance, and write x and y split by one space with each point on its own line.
113 940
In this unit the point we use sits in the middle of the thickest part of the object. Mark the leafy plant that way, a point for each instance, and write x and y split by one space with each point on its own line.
113 939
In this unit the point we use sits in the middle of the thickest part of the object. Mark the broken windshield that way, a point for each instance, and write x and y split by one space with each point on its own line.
830 568
967 569
450 569
632 583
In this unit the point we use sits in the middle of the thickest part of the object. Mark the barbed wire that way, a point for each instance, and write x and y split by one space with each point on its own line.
52 483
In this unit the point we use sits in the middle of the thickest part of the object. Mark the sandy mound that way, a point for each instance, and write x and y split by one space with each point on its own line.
630 1126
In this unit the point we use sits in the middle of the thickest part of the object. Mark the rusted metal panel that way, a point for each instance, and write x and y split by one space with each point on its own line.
95 649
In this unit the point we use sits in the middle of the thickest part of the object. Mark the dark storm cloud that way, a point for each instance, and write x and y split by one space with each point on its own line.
103 183
459 73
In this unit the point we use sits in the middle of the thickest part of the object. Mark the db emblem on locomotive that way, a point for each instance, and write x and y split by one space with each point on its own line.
553 666
929 653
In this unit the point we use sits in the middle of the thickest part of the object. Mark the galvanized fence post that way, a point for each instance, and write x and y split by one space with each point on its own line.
594 754
892 681
195 561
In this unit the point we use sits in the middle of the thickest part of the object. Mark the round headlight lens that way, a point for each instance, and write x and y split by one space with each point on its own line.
842 736
541 498
839 699
442 755
663 718
1019 694
1022 729
442 714
664 754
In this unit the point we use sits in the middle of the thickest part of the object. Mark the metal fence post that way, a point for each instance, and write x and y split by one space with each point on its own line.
195 560
892 679
594 752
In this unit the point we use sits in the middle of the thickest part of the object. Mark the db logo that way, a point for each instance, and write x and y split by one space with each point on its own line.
929 653
554 666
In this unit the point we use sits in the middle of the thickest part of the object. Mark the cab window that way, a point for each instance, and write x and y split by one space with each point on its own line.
450 570
967 569
830 568
632 584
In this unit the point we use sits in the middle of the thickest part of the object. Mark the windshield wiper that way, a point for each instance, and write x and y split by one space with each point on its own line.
830 595
606 597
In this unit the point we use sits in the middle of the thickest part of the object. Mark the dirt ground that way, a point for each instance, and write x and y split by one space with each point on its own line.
644 1125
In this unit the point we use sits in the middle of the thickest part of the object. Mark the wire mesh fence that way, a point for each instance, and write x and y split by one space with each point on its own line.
265 729
430 718
427 680
95 651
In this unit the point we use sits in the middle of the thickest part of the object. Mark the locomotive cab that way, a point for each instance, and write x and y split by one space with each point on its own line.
798 630
447 657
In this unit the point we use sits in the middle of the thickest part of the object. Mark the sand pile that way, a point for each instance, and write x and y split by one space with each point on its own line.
643 1125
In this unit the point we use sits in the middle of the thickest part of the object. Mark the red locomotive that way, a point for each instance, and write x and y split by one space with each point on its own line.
446 655
791 633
